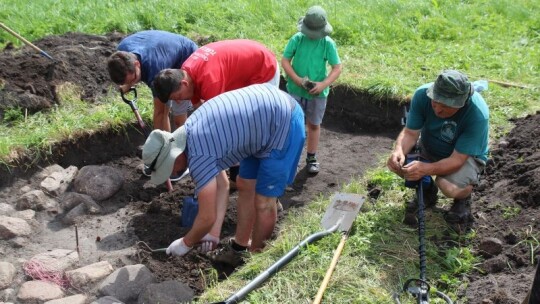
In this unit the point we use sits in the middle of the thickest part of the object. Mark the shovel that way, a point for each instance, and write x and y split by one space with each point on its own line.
339 215
30 44
337 254
133 106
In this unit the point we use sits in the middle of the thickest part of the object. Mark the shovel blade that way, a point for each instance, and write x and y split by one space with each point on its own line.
343 209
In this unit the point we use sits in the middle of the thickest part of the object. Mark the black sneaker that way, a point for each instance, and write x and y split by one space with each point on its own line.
179 175
313 166
228 256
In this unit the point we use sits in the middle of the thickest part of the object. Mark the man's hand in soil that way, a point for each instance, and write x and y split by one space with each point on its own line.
178 248
208 243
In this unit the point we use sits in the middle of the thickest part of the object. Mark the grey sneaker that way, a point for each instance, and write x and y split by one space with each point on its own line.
228 256
313 165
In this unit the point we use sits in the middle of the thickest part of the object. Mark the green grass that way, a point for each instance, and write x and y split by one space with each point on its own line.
388 48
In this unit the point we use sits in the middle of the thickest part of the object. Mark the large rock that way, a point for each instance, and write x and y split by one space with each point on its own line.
107 300
7 273
39 292
75 299
81 277
127 283
58 182
37 200
100 182
58 259
11 227
168 292
70 200
490 247
6 209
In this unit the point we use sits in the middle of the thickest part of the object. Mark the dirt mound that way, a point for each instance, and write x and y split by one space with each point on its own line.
507 208
30 81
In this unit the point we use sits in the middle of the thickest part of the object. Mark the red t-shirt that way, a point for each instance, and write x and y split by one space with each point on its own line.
228 65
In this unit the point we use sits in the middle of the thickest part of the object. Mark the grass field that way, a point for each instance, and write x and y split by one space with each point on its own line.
388 48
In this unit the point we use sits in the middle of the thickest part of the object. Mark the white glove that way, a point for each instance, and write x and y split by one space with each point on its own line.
178 248
208 243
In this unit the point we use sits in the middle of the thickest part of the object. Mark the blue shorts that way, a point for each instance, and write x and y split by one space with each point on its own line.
275 172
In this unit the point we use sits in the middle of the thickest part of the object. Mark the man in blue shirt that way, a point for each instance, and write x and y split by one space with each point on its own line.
449 122
259 126
140 57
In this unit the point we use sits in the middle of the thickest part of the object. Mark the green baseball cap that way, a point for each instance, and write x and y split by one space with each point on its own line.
452 88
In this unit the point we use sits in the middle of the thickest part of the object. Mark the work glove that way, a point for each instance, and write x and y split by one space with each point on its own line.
208 243
178 248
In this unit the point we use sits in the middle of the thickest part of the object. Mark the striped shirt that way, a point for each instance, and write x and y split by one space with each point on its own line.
230 127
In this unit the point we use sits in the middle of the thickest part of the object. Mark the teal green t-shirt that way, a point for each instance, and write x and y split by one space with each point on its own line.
467 131
309 58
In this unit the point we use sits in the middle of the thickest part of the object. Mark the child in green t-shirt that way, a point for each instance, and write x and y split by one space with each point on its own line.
304 61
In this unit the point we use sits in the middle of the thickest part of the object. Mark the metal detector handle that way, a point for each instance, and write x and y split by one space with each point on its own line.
405 116
239 295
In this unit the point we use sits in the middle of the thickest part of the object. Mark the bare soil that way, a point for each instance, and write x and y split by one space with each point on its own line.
356 131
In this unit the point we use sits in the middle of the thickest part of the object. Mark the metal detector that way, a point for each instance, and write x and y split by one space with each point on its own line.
419 288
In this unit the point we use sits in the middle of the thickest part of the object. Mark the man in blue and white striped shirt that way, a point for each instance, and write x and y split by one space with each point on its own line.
259 126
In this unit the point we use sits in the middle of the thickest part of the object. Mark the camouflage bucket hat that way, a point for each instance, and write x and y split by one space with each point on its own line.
452 88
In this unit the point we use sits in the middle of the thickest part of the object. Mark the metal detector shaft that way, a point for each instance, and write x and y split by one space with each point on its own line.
42 52
238 296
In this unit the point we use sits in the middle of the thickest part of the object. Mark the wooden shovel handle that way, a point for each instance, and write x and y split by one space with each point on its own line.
330 270
20 37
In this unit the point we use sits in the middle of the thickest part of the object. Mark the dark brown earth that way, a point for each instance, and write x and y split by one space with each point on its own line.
356 131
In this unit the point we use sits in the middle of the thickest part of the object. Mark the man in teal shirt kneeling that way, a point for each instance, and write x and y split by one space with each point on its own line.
449 122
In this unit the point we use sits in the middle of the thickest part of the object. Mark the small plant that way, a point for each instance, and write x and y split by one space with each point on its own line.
384 178
13 114
510 212
459 260
531 240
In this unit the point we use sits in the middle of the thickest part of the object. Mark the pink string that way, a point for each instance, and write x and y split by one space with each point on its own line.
39 271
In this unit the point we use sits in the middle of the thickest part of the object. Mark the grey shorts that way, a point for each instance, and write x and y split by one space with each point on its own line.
180 107
313 108
468 174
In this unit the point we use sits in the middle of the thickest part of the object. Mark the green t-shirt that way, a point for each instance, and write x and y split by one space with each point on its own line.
309 58
467 131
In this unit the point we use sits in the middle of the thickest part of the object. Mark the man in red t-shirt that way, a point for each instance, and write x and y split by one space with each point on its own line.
217 68
214 69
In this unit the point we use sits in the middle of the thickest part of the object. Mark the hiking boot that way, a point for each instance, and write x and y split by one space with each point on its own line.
228 256
312 165
178 175
411 209
459 217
